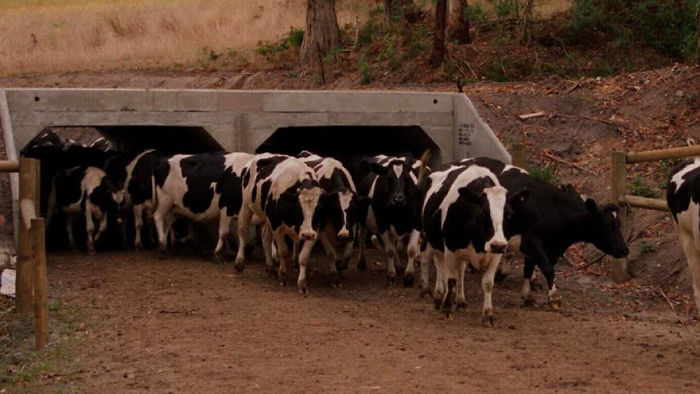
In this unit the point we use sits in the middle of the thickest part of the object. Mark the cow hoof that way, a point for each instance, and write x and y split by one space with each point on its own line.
391 279
138 247
362 265
271 271
529 302
400 270
302 289
461 306
219 259
335 281
238 268
488 316
449 314
341 265
437 302
282 282
408 280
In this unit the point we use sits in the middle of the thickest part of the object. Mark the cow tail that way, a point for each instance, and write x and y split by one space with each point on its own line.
424 165
154 195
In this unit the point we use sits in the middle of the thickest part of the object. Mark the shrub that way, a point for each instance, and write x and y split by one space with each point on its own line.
363 67
646 247
639 187
543 173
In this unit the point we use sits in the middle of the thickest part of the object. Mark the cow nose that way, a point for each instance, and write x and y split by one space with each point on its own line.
398 199
498 247
344 235
308 236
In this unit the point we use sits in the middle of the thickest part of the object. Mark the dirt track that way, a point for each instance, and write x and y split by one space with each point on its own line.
187 324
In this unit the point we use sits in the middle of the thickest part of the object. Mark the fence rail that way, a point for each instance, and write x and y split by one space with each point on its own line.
619 189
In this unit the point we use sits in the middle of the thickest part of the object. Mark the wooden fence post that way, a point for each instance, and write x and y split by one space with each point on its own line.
618 179
28 190
518 155
41 314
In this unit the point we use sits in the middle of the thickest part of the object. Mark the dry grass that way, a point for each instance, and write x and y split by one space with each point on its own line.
92 35
48 36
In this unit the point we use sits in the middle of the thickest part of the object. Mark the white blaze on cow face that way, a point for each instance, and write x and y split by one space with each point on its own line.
496 196
345 198
308 199
398 169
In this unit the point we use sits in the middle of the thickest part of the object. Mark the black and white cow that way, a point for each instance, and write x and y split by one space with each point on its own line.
463 214
84 191
552 219
341 211
683 198
283 194
391 184
201 187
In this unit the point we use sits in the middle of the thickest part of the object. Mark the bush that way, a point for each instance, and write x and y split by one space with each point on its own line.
640 188
543 173
363 67
667 26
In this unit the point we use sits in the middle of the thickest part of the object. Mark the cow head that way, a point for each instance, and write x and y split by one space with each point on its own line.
395 182
491 208
342 210
605 229
301 207
109 199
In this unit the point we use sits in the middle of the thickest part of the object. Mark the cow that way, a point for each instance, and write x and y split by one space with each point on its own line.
83 191
282 194
341 212
551 220
683 199
200 187
394 209
463 212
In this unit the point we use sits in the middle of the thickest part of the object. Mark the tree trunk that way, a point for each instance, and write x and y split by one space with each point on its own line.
439 33
697 24
321 30
527 22
460 32
392 7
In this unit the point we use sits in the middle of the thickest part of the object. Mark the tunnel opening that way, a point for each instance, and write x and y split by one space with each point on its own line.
165 139
345 142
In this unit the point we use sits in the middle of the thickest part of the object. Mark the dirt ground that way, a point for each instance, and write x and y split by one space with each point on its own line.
186 324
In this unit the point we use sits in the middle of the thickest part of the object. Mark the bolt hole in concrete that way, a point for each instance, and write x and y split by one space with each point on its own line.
435 101
36 98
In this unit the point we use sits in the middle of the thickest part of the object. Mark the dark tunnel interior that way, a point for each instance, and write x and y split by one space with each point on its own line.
343 142
167 139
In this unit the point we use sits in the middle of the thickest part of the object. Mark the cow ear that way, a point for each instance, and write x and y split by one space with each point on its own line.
470 196
521 197
591 206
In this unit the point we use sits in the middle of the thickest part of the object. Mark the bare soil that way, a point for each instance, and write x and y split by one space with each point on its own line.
185 324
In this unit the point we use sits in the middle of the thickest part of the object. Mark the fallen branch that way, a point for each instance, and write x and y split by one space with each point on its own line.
466 63
670 304
532 115
610 122
576 86
630 239
568 163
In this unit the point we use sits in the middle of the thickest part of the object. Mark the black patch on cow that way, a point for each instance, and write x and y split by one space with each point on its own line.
264 192
679 200
246 176
200 172
102 196
140 185
115 168
67 186
229 189
264 167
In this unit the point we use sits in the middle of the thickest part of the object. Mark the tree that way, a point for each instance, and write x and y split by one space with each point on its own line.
439 49
460 32
697 24
321 32
527 22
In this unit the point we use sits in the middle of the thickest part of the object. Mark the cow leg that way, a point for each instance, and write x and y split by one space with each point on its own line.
425 257
461 298
161 217
440 281
487 280
282 255
224 229
413 250
69 231
89 228
102 227
390 248
451 273
345 256
692 254
242 225
361 239
267 249
528 270
330 250
138 225
304 255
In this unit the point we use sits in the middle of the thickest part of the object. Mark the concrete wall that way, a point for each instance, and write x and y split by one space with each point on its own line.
243 120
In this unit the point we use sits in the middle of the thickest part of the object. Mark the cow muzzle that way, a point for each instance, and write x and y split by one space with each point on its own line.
307 236
497 247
